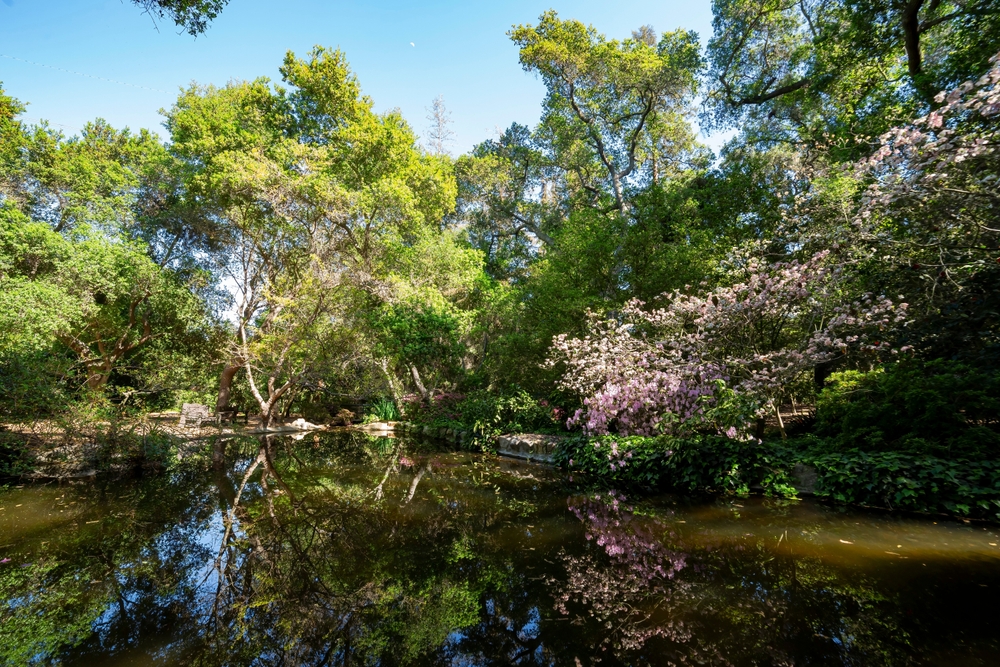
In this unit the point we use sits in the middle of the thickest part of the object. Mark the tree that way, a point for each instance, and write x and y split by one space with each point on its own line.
192 16
840 71
440 134
13 140
602 96
660 370
102 298
95 178
506 202
315 188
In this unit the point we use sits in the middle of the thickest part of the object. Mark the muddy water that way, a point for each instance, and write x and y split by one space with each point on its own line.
346 549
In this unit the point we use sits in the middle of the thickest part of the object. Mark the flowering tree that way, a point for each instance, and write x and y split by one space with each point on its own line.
918 217
664 370
933 188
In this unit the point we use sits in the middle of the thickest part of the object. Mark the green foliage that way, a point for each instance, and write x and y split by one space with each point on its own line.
839 72
488 413
692 465
713 464
15 456
192 16
938 407
382 410
426 337
899 481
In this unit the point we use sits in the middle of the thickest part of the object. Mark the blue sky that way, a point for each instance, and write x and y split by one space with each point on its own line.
460 50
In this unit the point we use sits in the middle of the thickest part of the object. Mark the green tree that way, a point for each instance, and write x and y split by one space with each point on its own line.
840 71
314 188
604 98
191 16
103 298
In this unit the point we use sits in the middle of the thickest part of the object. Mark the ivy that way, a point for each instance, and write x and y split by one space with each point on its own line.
899 481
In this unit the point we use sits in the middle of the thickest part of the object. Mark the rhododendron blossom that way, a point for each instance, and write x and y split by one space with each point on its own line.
660 370
936 180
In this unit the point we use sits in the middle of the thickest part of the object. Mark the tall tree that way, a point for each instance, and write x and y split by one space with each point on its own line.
842 70
602 96
439 134
314 186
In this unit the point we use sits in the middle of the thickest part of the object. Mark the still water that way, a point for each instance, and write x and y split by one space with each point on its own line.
342 549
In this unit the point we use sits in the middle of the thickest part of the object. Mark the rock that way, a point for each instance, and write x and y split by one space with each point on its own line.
530 446
804 479
379 427
194 412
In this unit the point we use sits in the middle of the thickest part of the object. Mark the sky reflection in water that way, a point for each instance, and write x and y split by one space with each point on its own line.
345 549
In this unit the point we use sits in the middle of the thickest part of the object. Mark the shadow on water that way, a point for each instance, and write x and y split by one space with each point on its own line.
341 548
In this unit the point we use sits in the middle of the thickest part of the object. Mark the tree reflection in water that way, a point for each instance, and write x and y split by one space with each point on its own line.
382 552
631 585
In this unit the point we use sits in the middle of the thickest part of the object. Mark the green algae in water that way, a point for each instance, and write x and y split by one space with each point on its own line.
346 549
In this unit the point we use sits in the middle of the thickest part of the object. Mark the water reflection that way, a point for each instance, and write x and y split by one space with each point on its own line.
343 549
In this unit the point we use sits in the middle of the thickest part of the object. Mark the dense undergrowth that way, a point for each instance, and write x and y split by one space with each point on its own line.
913 436
487 414
713 464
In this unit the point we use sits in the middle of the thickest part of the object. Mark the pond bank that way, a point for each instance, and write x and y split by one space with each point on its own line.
698 465
709 464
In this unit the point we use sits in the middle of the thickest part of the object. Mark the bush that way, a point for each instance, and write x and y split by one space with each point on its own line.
712 464
382 410
488 414
15 458
894 480
697 464
940 408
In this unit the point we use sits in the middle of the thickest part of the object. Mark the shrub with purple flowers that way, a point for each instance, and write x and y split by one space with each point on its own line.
661 370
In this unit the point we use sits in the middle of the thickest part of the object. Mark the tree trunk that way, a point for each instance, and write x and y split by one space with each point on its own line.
226 385
265 415
821 372
420 385
415 482
761 424
781 423
219 453
393 388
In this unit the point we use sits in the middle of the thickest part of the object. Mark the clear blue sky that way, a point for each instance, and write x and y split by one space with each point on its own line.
460 50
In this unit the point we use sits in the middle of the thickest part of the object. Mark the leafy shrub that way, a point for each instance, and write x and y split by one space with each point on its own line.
382 410
489 413
711 464
938 407
14 456
32 383
697 464
911 482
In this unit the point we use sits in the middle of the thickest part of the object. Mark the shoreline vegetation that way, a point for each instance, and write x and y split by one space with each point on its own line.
817 305
694 466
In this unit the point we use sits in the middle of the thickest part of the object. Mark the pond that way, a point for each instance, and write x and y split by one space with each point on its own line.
341 548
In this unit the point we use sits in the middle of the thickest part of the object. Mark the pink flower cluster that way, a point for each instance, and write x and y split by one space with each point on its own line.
660 370
932 186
